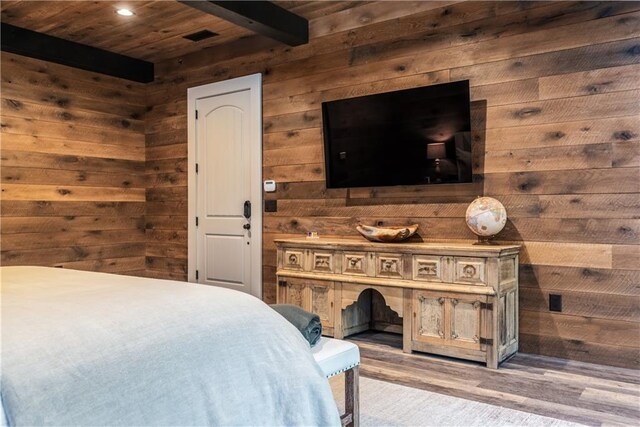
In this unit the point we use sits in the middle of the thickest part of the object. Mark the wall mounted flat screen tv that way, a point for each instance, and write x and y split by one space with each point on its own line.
408 137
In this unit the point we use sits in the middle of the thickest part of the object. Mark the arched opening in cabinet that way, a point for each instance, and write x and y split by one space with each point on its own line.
372 309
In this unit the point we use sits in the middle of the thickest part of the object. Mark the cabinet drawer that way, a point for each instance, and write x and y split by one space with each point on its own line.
469 270
322 262
389 265
428 268
355 263
293 259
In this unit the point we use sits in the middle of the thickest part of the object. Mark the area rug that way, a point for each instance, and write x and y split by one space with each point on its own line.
386 404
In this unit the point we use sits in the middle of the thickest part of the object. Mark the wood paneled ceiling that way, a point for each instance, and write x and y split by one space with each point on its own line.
155 33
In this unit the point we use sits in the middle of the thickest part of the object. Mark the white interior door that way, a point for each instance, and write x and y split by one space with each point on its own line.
225 193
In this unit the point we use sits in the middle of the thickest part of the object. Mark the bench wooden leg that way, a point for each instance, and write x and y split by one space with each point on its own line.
351 417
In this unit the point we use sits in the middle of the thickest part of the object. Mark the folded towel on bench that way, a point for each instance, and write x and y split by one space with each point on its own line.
307 323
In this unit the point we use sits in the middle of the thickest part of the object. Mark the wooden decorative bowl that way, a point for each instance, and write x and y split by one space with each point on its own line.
387 234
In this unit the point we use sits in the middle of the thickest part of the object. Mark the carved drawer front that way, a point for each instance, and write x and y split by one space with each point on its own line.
466 321
355 263
427 268
322 302
469 270
429 317
293 259
389 265
322 262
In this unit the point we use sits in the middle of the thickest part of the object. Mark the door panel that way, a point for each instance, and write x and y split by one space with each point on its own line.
225 154
225 260
429 317
295 295
465 315
322 302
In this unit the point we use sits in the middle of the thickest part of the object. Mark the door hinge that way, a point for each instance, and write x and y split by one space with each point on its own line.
486 341
196 114
196 221
196 168
486 305
197 274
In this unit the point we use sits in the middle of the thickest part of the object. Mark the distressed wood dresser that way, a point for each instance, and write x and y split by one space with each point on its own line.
455 299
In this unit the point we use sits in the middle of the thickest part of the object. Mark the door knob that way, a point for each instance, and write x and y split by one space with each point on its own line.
247 226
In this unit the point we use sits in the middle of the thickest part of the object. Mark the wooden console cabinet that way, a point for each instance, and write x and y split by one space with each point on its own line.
455 299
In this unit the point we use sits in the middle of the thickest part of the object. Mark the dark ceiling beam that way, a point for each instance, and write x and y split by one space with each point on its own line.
53 49
262 17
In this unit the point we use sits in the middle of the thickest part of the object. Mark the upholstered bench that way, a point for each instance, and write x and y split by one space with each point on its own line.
337 356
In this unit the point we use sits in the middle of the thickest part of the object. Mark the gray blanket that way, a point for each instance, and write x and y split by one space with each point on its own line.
82 348
307 323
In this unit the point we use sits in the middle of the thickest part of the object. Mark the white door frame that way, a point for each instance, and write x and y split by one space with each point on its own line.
254 84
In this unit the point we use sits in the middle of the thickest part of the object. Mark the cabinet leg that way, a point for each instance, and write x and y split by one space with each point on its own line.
492 360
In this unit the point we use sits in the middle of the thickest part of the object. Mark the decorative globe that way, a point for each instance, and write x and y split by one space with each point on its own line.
486 217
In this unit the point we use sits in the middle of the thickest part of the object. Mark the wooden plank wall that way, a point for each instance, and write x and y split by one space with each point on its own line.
73 190
555 88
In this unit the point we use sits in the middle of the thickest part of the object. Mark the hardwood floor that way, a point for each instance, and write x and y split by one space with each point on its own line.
574 391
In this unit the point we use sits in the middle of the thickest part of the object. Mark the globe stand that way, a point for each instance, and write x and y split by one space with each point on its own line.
485 241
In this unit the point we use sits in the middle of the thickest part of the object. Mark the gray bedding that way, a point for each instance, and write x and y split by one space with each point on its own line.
82 348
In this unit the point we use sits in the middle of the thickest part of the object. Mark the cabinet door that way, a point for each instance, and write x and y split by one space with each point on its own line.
429 317
312 295
465 321
295 293
322 302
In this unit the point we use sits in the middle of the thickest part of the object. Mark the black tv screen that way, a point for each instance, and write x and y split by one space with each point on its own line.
408 137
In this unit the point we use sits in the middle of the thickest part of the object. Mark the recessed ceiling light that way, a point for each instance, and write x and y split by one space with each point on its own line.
124 12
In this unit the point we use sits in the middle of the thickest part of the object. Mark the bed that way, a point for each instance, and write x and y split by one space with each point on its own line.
83 348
